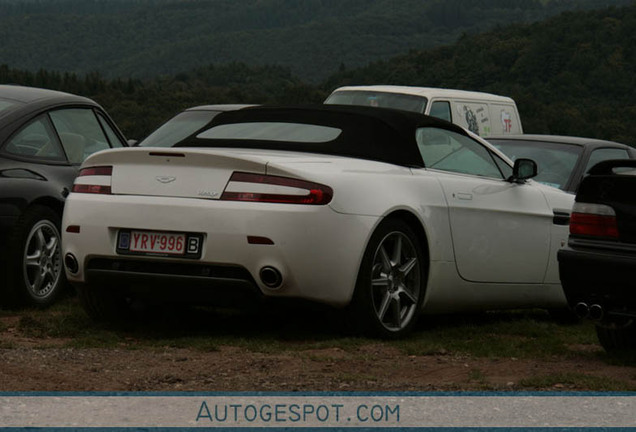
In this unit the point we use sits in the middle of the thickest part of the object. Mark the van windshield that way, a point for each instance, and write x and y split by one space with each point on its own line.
378 99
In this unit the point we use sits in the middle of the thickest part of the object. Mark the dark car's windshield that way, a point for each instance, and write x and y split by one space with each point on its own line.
555 161
378 99
178 128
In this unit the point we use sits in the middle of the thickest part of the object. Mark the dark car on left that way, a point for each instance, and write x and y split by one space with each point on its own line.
44 137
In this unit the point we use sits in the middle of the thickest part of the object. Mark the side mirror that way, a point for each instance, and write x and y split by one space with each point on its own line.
523 170
132 142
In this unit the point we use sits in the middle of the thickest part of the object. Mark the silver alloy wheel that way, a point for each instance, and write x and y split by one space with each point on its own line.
42 265
395 281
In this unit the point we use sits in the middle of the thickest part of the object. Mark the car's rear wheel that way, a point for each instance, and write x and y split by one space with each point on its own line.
617 337
35 274
390 285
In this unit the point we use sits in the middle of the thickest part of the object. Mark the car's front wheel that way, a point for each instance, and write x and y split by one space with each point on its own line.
391 280
35 274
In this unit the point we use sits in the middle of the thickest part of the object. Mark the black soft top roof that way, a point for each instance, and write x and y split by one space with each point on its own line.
380 134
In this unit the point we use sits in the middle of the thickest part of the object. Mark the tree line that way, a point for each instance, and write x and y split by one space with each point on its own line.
574 74
148 38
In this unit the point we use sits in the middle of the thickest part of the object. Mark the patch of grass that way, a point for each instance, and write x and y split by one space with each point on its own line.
476 375
356 377
6 312
190 342
66 320
205 329
63 320
575 381
620 358
7 345
521 334
58 324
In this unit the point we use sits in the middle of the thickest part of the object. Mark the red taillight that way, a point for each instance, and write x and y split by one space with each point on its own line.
93 171
93 189
99 185
593 220
275 189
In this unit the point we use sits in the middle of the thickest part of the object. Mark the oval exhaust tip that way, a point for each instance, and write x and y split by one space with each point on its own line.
271 277
71 263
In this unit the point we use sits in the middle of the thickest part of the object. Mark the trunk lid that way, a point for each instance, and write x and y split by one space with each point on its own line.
195 173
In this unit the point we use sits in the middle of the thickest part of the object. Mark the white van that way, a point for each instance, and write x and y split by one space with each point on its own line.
482 113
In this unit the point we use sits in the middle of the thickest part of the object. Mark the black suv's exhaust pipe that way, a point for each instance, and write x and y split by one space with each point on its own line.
582 310
596 312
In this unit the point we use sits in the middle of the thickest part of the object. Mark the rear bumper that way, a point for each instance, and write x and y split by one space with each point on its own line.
599 277
160 281
316 250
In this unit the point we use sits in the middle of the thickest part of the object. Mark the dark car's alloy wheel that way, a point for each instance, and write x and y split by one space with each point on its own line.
35 274
41 262
390 287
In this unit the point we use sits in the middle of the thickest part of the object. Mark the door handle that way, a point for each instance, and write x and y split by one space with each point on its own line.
463 196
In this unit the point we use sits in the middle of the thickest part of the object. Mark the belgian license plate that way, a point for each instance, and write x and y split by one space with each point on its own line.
159 243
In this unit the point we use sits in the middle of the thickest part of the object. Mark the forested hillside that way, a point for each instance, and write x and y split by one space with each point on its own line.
574 74
313 38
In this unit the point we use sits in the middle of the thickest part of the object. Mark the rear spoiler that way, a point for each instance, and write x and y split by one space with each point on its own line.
607 167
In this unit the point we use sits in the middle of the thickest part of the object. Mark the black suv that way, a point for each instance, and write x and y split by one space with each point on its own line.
598 267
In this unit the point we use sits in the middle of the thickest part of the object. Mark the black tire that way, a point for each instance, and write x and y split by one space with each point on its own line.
389 307
103 303
617 338
34 268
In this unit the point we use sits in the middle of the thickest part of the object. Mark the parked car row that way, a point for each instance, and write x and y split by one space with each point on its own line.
384 213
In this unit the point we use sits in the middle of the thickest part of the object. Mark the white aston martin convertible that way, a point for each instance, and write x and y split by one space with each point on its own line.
384 213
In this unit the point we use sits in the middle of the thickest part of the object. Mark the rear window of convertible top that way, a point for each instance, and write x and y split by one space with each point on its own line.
273 131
